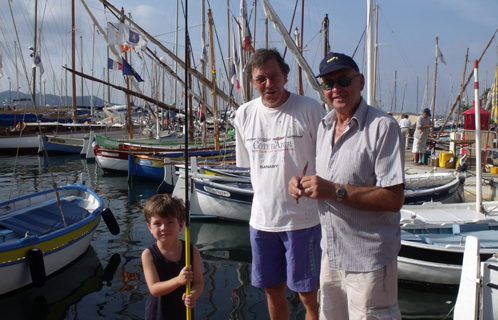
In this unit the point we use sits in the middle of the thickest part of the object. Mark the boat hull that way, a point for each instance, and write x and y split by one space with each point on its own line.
35 221
231 202
64 250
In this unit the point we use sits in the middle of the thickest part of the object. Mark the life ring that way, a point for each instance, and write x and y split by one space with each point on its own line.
110 221
36 267
20 126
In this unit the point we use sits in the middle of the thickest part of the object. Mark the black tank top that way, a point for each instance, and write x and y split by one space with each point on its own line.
170 306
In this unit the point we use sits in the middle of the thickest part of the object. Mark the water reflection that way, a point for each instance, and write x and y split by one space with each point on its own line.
110 284
85 276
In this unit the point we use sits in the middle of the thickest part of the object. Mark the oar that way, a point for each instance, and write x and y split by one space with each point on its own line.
187 206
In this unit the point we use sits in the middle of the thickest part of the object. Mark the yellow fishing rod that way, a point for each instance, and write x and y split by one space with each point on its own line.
187 181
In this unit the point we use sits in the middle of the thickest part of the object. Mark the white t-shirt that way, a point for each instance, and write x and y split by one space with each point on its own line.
276 143
405 123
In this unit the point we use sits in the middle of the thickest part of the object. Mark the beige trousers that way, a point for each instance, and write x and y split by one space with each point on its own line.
359 295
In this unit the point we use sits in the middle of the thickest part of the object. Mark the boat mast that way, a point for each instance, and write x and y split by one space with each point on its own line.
300 46
82 80
395 89
478 140
376 48
299 74
35 52
326 45
213 75
434 87
370 65
128 102
73 59
93 69
203 70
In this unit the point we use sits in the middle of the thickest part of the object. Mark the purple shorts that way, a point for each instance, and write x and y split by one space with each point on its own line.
290 256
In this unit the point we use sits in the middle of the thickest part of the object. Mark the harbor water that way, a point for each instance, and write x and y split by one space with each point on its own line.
108 282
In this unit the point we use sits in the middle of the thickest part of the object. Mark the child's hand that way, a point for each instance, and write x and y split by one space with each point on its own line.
185 276
189 301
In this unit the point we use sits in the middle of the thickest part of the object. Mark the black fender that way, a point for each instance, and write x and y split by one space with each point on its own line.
37 267
110 221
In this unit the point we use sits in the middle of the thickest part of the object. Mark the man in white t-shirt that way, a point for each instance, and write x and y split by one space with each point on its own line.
405 124
276 139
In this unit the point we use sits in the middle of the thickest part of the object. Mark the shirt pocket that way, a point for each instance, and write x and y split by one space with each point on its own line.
353 167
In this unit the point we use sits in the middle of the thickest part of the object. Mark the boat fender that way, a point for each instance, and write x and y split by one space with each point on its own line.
20 126
110 221
37 267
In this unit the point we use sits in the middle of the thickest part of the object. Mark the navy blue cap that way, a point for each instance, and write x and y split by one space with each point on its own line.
427 111
335 61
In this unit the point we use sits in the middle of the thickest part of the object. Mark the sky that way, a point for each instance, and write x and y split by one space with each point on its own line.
407 32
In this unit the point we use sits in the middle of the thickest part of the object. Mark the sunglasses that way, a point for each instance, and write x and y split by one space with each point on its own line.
342 82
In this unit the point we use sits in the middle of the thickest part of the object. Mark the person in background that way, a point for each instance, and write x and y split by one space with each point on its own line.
359 184
164 261
420 136
276 138
405 124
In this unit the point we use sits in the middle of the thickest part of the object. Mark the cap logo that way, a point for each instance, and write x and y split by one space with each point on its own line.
333 58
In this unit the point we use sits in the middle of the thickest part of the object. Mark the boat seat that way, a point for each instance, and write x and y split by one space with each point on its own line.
443 240
41 219
405 235
6 234
488 239
469 227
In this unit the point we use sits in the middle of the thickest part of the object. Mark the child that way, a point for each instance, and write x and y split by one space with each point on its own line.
164 261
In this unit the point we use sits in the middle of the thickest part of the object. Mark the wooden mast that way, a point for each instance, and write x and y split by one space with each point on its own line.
128 102
326 45
203 70
213 79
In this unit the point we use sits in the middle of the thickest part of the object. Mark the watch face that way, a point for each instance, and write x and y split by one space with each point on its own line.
341 192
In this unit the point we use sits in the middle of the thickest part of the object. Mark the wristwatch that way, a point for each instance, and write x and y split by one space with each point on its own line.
340 192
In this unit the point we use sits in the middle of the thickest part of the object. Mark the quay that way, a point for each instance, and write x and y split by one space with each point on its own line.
489 185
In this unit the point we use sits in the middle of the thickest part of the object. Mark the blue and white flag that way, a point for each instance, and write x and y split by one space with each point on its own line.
130 37
38 63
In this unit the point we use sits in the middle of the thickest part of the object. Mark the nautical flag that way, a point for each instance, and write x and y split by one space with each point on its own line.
114 65
38 63
235 63
440 55
204 51
128 70
128 36
494 98
1 65
112 34
246 33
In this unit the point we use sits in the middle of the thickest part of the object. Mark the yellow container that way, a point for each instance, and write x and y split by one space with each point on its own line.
494 170
444 156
